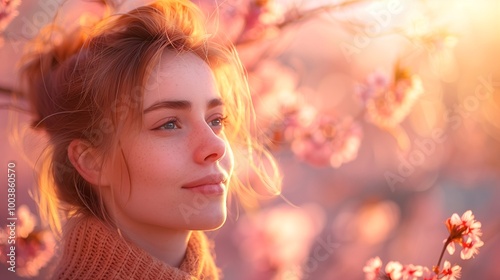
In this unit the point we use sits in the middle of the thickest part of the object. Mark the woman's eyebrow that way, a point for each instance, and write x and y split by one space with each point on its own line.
180 105
214 103
169 104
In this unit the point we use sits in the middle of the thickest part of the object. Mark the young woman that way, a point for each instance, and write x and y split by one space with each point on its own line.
147 119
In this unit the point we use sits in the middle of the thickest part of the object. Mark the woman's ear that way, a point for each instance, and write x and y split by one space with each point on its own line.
86 161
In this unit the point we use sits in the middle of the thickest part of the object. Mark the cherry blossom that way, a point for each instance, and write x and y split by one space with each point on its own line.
467 223
388 104
34 246
327 141
372 268
466 232
27 221
34 252
449 272
470 247
394 270
412 272
8 11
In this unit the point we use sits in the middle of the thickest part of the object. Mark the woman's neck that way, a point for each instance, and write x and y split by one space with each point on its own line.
168 246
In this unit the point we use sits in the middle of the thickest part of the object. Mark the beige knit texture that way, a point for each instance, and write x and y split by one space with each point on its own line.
93 250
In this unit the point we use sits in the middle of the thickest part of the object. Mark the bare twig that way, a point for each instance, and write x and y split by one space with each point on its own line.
294 16
6 90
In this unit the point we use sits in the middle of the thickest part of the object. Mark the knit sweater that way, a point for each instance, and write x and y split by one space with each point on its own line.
93 250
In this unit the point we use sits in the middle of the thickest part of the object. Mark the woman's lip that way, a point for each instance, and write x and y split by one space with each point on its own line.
211 179
208 189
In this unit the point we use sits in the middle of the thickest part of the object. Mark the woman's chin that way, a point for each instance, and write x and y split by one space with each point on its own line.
208 221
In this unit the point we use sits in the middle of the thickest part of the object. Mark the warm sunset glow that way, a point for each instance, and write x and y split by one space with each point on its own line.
383 115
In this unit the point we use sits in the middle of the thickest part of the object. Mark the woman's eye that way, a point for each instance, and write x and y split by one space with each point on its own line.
218 122
173 124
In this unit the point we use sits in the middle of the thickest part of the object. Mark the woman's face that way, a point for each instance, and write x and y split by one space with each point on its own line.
175 170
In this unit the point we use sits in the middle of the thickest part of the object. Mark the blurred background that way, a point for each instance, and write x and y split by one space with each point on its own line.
384 117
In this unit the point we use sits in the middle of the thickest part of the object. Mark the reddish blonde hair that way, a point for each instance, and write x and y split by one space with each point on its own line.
90 86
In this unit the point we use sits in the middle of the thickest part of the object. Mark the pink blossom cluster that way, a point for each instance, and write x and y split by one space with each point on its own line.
395 270
325 140
280 237
464 230
316 138
388 103
319 140
8 11
34 247
261 16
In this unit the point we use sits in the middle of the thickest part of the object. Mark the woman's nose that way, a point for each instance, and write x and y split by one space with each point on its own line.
209 147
